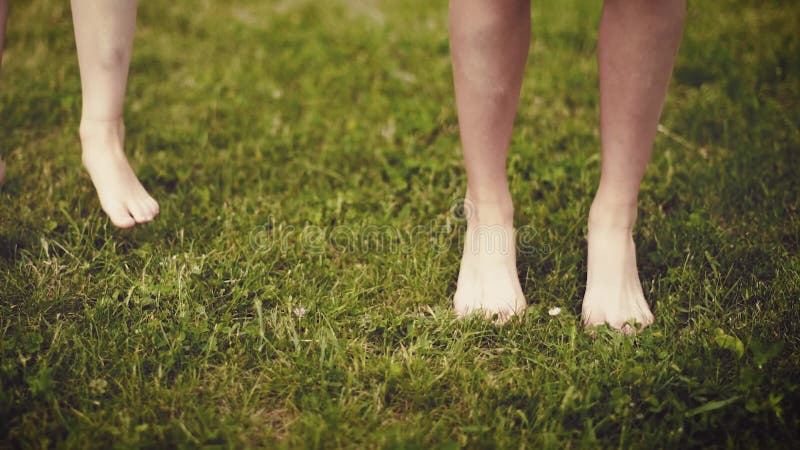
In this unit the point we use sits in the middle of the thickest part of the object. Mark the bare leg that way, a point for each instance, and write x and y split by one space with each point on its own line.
637 46
104 36
490 40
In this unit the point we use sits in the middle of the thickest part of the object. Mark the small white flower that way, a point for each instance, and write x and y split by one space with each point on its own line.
554 311
98 386
299 311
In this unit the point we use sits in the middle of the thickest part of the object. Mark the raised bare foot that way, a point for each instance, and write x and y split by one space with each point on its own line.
614 293
121 194
488 283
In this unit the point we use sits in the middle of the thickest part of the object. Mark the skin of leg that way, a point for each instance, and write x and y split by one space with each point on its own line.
104 32
638 42
489 43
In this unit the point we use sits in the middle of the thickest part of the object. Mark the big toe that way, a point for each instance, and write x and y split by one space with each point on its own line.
463 305
592 318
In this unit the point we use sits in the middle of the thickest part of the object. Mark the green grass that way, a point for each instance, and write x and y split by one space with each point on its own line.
276 133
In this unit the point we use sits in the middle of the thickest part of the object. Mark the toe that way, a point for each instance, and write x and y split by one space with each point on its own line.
139 212
148 208
125 222
647 320
500 317
503 314
120 217
149 204
621 325
630 326
153 204
462 306
592 319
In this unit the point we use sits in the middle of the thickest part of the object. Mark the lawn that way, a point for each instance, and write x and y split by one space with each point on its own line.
296 289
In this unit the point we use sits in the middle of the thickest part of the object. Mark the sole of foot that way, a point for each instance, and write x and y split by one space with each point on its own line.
122 196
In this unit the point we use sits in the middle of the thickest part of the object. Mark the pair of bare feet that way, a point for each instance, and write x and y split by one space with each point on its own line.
488 283
122 196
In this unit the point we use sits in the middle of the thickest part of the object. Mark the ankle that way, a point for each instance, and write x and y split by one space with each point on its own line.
92 128
610 212
483 208
489 213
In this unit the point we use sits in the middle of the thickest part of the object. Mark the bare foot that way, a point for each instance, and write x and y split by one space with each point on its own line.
488 283
121 194
613 291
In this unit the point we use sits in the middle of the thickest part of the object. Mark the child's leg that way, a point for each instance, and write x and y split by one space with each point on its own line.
489 40
104 36
637 47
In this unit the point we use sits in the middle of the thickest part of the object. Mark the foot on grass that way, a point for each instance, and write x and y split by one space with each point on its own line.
121 194
488 283
614 293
